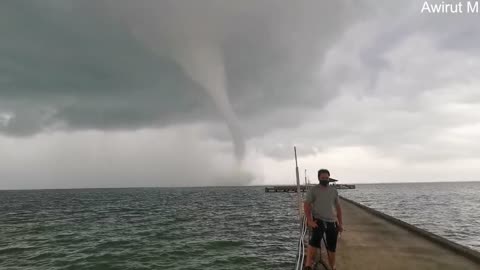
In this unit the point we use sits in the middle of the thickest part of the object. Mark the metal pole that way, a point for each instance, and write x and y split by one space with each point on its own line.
300 216
305 179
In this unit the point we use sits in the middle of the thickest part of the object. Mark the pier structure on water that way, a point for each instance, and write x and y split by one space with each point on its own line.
303 188
375 241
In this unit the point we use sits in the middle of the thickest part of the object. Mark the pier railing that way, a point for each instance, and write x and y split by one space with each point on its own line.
301 245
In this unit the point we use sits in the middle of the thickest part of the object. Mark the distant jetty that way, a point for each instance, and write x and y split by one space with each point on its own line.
303 188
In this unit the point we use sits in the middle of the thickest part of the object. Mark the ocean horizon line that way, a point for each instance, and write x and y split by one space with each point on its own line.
231 186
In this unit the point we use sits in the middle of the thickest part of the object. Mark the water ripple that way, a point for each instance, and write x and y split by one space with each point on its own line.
189 228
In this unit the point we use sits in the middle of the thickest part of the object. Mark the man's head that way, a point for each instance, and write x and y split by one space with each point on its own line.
323 177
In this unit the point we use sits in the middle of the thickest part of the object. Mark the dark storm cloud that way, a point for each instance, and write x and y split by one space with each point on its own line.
114 64
77 65
87 74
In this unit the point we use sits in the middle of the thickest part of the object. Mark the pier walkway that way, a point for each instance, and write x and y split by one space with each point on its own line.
374 243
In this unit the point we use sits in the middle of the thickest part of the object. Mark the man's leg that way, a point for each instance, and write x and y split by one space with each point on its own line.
314 243
331 239
310 255
331 259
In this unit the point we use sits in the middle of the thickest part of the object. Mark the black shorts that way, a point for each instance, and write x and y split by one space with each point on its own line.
331 233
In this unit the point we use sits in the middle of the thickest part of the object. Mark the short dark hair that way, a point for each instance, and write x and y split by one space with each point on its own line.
323 171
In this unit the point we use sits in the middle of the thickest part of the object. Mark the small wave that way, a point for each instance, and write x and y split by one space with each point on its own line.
224 244
10 250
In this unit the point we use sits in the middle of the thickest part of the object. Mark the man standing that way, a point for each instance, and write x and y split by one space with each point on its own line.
319 210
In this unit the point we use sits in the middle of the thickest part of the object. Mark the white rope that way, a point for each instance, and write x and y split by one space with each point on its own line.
299 252
301 246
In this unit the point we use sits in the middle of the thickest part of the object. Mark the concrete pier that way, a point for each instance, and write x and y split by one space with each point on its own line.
375 241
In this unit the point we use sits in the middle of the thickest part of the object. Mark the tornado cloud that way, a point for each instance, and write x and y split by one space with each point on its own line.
236 50
187 32
203 62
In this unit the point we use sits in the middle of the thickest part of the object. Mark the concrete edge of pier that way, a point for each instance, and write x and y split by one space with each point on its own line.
457 248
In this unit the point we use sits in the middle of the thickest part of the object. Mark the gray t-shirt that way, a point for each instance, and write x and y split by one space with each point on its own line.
323 200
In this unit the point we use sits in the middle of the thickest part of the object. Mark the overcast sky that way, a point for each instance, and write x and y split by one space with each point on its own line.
120 93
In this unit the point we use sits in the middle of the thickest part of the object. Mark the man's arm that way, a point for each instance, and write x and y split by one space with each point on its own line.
339 214
307 207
